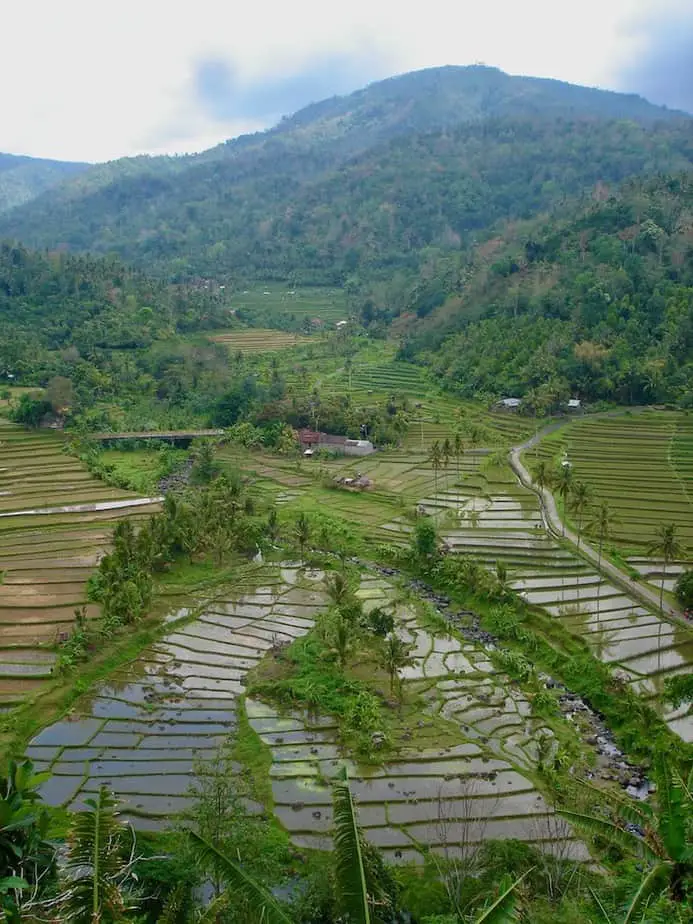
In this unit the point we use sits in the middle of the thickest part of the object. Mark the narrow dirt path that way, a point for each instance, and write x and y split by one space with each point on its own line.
555 525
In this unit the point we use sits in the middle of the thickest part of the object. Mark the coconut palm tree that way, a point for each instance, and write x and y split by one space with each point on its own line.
667 547
272 527
446 452
340 638
302 533
393 656
580 501
260 901
337 588
564 485
503 589
542 475
662 838
458 448
436 460
349 366
99 865
601 523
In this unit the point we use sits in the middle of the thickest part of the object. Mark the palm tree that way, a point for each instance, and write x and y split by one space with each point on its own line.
668 547
542 475
446 453
337 588
458 446
341 639
564 485
663 840
260 901
436 460
351 887
394 655
503 589
99 872
349 365
601 522
302 533
273 524
580 500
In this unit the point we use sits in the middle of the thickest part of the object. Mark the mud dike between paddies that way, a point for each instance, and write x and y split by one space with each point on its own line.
501 523
143 730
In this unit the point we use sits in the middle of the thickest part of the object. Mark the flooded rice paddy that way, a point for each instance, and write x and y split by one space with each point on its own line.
143 731
501 522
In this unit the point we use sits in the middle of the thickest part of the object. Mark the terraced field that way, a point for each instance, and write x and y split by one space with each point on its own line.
642 464
438 419
378 379
142 731
45 558
329 305
258 340
500 521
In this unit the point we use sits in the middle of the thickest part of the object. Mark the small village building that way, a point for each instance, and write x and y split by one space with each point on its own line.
511 404
574 404
340 324
310 440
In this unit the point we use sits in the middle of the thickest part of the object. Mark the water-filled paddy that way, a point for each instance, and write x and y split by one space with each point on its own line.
143 731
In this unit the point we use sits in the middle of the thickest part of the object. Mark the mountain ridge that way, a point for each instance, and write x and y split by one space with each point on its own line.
249 206
22 178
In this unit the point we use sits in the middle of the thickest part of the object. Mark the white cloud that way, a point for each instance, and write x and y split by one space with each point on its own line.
96 81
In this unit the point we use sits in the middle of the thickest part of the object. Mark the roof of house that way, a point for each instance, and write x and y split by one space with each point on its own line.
308 436
574 402
512 402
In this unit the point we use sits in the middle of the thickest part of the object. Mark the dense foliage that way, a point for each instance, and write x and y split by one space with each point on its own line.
599 305
24 178
363 185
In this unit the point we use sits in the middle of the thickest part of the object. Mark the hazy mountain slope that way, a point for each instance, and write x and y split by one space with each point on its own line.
24 178
274 202
281 213
598 304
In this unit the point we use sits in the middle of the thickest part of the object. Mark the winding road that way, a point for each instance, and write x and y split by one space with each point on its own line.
555 525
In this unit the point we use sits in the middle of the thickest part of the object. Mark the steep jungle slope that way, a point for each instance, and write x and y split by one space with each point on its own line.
24 178
363 183
598 304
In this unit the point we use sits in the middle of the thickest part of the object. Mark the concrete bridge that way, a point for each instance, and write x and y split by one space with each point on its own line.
169 436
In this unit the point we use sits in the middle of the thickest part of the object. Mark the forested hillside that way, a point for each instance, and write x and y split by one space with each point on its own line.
598 304
24 178
98 324
365 184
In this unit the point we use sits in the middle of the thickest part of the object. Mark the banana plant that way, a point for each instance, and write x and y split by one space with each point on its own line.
26 856
663 840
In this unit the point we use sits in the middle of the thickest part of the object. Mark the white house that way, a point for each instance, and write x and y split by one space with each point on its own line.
511 402
574 404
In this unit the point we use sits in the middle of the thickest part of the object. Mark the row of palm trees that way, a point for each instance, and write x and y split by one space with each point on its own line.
599 519
441 453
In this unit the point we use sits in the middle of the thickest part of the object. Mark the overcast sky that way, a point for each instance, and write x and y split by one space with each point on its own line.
98 80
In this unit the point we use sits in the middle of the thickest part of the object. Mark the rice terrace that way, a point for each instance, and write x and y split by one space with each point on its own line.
346 499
